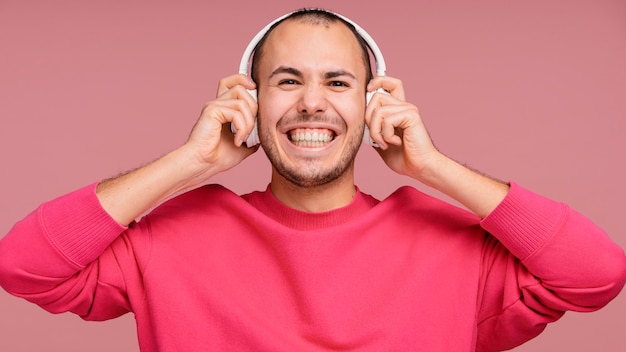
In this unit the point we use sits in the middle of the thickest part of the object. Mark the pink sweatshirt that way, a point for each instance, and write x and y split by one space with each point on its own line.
214 271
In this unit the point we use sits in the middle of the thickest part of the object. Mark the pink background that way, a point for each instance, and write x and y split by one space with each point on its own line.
533 91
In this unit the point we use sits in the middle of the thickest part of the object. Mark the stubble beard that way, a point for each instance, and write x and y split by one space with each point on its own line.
311 172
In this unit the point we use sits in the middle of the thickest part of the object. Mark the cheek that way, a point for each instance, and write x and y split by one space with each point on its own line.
266 108
351 110
269 113
272 107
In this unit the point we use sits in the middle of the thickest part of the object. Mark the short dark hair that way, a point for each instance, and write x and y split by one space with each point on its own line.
318 17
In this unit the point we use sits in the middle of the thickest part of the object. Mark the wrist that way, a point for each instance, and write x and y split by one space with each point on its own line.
128 196
189 169
432 169
476 191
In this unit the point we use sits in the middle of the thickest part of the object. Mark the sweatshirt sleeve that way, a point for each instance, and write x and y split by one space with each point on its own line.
541 259
54 257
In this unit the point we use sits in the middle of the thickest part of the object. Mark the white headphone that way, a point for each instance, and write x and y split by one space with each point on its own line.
253 138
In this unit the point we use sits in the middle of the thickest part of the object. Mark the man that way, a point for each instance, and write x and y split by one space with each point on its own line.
312 263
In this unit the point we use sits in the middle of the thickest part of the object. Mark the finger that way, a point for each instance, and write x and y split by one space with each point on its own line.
234 111
388 131
403 125
387 120
232 81
240 93
247 104
375 113
392 85
395 124
243 120
247 150
374 121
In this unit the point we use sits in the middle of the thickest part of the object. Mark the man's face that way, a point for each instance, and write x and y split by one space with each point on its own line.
311 86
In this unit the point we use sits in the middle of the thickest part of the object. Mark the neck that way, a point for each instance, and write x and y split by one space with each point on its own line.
335 194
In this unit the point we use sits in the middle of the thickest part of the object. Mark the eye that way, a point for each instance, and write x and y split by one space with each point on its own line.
338 84
287 82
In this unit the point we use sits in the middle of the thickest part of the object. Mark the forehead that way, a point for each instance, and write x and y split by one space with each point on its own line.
291 25
317 44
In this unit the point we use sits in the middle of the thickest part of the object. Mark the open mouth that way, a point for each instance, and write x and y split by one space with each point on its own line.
311 137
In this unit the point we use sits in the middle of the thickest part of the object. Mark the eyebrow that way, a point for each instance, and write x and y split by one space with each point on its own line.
340 73
298 73
286 69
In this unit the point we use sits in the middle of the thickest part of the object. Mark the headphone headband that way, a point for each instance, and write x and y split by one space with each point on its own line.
378 55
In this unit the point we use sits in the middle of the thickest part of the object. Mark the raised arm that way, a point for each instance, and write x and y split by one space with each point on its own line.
52 257
541 258
210 149
407 148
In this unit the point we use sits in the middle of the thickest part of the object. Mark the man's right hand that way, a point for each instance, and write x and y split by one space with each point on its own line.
210 149
211 141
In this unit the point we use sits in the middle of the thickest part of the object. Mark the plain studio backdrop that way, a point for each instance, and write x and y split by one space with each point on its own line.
531 91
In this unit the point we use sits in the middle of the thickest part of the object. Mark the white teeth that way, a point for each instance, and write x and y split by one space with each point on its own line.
307 138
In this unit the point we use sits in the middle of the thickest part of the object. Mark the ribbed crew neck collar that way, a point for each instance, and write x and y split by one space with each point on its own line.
268 204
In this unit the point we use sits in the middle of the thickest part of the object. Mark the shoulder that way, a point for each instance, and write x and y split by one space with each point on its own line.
212 197
410 202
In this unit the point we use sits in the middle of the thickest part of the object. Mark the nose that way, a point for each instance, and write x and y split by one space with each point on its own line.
313 100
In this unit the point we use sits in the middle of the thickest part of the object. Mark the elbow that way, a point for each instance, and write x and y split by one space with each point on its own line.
9 269
21 261
15 255
613 273
592 285
616 277
608 283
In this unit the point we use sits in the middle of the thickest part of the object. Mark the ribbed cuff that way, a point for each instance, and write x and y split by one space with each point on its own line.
524 221
78 226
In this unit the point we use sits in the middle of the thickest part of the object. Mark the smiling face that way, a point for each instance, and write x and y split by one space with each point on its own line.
311 83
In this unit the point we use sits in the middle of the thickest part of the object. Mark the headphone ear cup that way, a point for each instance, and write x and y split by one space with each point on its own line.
253 94
368 97
366 133
253 137
367 139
